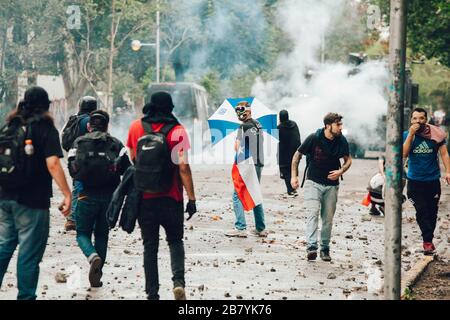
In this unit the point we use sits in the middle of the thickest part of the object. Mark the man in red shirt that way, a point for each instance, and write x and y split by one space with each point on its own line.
164 208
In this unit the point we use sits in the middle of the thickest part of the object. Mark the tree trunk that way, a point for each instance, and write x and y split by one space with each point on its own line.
109 106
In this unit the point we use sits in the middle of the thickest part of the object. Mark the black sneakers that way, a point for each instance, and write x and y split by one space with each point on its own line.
95 272
311 254
325 255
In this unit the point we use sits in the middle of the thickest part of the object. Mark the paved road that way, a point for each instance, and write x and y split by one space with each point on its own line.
253 268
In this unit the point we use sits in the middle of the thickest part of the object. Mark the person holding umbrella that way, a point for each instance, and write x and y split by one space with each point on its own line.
289 141
249 144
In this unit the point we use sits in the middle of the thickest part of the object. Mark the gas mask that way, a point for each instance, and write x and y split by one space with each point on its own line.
241 113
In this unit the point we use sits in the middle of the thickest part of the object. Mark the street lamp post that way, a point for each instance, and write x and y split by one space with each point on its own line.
136 44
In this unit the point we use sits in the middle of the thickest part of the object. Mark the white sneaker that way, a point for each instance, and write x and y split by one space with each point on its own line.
237 233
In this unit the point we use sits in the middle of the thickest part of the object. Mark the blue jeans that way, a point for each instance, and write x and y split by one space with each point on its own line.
28 228
90 218
319 199
77 188
258 211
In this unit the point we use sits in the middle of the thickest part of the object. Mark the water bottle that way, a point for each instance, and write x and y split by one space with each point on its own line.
29 149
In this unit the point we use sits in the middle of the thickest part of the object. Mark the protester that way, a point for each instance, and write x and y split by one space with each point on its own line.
323 150
422 143
249 142
26 187
158 145
96 161
75 127
289 141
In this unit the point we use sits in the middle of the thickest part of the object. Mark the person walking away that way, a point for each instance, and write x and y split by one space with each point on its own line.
323 150
289 141
158 145
421 145
76 127
97 161
29 159
250 142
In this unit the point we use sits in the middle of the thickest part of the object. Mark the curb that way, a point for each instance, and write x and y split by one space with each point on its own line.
413 275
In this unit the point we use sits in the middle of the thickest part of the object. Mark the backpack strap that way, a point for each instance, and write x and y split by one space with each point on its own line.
308 159
164 130
147 127
167 128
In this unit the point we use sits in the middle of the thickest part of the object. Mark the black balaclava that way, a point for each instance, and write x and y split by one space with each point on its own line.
159 109
35 99
284 116
87 104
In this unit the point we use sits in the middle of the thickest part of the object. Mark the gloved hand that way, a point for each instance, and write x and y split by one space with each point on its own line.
191 208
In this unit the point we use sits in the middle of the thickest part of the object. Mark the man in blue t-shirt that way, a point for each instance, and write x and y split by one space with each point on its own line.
421 145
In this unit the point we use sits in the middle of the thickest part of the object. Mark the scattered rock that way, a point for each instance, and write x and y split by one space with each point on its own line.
227 295
60 277
349 236
126 251
331 276
363 238
240 260
273 270
239 297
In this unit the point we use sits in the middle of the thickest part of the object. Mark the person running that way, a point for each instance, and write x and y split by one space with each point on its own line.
250 141
97 161
422 144
74 128
289 141
26 189
323 149
158 145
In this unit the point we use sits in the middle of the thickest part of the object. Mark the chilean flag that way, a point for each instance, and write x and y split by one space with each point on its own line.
246 181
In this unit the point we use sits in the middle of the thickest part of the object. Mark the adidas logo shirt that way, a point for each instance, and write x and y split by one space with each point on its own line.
423 162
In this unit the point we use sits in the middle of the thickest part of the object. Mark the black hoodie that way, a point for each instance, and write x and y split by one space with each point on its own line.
289 137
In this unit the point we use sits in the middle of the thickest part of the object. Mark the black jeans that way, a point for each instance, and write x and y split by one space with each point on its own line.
425 196
168 213
285 174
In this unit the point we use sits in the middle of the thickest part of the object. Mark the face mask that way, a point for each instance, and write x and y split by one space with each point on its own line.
422 127
241 113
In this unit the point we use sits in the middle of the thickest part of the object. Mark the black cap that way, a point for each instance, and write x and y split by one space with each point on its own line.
87 104
36 98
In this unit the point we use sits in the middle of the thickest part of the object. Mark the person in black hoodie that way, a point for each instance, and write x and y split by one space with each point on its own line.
98 184
24 211
289 141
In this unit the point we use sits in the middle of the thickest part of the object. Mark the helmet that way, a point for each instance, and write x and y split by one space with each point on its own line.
87 104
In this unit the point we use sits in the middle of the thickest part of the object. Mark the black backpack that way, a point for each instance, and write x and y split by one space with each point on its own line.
15 165
71 131
154 168
96 162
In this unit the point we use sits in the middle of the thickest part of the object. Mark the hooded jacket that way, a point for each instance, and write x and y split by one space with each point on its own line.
289 139
128 214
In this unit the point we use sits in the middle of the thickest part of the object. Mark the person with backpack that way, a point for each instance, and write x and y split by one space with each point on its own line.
323 150
158 145
422 144
97 161
289 141
75 127
29 158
